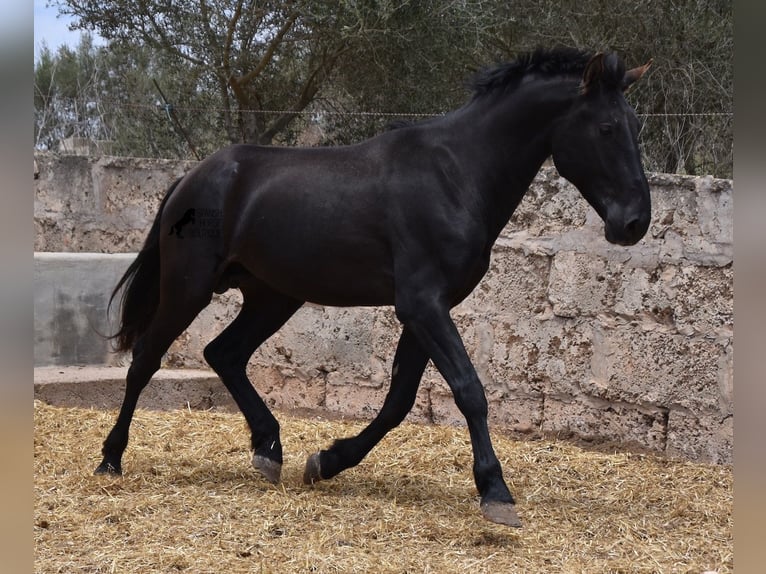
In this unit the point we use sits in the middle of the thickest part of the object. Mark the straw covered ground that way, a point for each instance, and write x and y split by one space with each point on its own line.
190 502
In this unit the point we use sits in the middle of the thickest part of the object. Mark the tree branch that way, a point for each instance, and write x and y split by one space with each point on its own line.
229 42
309 90
269 54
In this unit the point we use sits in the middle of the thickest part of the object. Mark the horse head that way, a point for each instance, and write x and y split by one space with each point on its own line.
595 146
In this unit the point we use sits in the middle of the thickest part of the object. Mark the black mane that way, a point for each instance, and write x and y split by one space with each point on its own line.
556 62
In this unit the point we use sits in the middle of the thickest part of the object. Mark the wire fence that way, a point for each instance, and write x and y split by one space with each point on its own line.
684 142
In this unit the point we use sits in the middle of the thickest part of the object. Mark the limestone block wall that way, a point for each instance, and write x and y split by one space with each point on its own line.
571 335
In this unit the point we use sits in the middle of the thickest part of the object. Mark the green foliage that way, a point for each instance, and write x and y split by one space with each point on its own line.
68 87
687 98
298 71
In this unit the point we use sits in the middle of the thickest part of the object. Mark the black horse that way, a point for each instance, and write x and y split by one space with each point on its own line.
407 218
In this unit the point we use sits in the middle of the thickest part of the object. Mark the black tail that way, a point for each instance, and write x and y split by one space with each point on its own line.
140 286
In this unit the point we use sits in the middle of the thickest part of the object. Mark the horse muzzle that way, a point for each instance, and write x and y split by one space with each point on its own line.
627 227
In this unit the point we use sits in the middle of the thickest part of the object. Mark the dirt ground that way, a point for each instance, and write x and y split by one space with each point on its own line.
190 502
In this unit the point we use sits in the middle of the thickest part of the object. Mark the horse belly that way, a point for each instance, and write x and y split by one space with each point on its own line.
336 282
336 267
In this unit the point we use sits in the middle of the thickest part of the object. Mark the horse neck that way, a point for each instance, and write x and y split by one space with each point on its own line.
509 136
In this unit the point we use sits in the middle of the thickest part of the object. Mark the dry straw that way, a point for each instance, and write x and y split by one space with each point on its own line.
189 502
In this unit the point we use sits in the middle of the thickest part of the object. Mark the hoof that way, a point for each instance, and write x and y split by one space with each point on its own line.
312 472
108 468
501 513
270 469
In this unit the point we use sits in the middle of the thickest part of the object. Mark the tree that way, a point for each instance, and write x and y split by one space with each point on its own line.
687 99
258 56
143 123
264 71
68 90
90 92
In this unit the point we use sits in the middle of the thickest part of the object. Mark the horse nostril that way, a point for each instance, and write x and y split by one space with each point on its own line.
635 228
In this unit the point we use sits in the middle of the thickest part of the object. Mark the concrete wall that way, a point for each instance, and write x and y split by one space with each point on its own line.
71 297
571 335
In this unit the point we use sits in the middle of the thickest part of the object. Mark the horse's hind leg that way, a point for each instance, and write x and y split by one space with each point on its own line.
409 363
263 313
174 314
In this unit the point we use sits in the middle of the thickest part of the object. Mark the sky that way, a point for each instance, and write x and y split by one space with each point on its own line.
52 28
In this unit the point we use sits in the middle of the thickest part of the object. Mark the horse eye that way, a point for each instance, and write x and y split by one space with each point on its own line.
605 129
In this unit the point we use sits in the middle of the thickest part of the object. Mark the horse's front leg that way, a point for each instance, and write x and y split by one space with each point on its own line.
433 327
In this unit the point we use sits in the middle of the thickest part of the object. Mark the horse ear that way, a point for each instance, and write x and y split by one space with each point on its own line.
593 70
634 74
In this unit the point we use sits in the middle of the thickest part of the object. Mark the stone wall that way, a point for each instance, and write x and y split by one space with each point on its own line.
571 335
